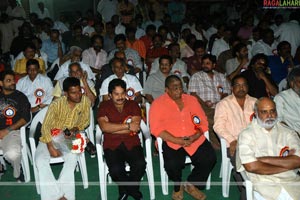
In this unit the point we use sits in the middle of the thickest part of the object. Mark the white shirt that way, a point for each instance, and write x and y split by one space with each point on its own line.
120 29
41 85
63 71
232 64
44 14
107 8
139 33
88 30
90 58
7 31
131 82
261 47
18 11
60 26
255 142
288 108
219 46
178 68
210 31
289 31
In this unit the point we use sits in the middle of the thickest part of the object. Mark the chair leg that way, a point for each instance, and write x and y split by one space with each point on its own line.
25 164
150 177
82 164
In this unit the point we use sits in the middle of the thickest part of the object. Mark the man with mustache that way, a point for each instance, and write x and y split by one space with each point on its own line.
233 114
14 113
269 153
209 87
119 119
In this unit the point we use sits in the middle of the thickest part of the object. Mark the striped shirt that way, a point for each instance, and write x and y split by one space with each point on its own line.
61 116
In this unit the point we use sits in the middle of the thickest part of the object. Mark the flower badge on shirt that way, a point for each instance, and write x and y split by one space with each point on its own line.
196 121
9 112
130 93
252 116
177 73
220 89
284 151
39 94
128 120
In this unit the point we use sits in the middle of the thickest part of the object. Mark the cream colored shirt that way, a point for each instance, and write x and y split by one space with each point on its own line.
288 108
230 119
254 142
61 116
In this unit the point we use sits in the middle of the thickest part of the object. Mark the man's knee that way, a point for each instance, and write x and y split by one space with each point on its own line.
12 155
115 171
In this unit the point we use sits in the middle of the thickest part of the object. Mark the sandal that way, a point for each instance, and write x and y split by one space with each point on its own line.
91 149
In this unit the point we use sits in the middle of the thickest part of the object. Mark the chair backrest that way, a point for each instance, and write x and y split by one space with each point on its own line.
38 118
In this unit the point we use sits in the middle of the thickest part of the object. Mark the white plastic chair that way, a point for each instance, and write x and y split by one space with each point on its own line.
163 174
249 186
90 129
226 168
103 169
39 118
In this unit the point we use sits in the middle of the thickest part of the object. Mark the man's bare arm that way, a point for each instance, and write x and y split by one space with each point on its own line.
289 162
115 128
258 167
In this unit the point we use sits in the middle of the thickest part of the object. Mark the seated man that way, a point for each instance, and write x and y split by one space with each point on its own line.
269 153
75 55
120 120
134 87
37 87
14 113
183 136
87 86
209 87
155 83
29 53
233 114
260 82
71 111
288 102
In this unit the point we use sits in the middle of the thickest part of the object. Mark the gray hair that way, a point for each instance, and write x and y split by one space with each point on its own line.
295 72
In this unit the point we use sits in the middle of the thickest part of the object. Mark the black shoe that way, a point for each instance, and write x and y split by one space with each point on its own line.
137 195
123 196
21 178
91 149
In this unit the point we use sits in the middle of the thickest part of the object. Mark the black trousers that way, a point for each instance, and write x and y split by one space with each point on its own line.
237 176
203 160
128 182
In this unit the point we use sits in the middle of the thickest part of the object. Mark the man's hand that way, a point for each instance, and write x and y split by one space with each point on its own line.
134 127
3 133
53 152
209 103
232 147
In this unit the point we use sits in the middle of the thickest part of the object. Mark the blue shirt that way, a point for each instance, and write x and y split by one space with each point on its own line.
51 48
279 69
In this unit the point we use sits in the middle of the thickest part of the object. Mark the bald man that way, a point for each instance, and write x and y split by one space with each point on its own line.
269 153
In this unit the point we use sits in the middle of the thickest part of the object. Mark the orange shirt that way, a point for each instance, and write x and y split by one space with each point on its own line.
139 46
166 116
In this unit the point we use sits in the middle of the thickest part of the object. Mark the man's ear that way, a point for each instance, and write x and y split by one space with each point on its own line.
1 83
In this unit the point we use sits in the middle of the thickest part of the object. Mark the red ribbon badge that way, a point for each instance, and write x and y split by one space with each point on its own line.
130 93
252 116
39 94
284 151
55 132
196 121
127 121
9 112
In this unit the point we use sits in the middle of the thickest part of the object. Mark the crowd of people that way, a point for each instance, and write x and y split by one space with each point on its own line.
234 74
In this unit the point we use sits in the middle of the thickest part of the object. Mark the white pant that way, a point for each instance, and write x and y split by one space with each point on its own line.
52 189
11 146
282 196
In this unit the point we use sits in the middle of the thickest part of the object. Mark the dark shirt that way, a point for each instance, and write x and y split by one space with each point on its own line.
278 69
83 43
257 88
13 107
108 109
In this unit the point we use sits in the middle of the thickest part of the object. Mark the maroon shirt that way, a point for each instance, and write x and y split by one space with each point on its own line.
108 109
